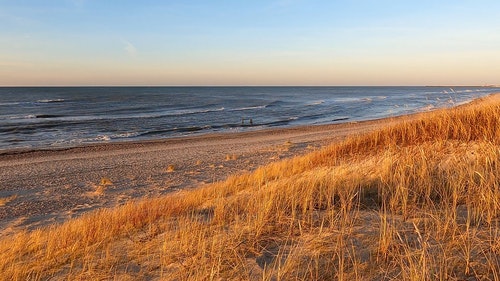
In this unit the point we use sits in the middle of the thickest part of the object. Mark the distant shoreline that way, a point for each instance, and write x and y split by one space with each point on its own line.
237 86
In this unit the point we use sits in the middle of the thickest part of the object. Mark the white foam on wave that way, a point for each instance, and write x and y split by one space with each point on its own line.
119 117
30 116
50 100
125 135
103 138
463 102
318 102
428 107
96 139
249 108
357 99
9 103
188 112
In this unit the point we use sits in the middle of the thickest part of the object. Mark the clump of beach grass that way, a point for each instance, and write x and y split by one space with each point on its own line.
100 188
416 201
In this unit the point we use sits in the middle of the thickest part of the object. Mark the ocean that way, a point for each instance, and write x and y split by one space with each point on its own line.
44 117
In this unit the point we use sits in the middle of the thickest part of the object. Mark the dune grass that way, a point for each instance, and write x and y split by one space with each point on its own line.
416 201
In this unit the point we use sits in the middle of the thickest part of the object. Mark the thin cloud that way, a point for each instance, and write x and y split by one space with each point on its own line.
130 48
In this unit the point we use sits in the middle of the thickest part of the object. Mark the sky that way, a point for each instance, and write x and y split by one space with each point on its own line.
255 42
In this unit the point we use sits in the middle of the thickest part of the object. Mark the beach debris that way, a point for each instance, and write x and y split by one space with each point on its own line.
105 182
232 157
170 168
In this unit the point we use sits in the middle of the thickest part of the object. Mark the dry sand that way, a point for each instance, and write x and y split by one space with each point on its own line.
40 187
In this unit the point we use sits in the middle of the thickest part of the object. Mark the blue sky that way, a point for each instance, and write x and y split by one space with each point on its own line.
282 42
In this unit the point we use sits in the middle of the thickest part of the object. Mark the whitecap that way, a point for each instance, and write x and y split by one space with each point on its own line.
194 111
9 103
30 116
50 100
249 108
318 102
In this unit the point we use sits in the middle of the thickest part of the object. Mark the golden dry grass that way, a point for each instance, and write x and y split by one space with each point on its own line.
417 201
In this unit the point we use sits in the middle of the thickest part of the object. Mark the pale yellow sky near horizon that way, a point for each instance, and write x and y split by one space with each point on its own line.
468 70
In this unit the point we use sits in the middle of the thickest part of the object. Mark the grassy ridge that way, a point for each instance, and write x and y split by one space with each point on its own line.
419 200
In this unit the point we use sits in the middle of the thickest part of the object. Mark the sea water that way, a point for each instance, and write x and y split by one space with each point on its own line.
44 117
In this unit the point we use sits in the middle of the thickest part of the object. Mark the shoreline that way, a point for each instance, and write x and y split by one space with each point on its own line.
49 143
126 144
44 186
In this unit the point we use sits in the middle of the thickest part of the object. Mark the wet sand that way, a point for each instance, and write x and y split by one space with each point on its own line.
40 187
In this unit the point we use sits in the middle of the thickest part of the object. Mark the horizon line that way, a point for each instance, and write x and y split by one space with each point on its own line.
234 86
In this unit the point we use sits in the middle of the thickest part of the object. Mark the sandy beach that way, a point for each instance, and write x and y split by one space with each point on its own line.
46 186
